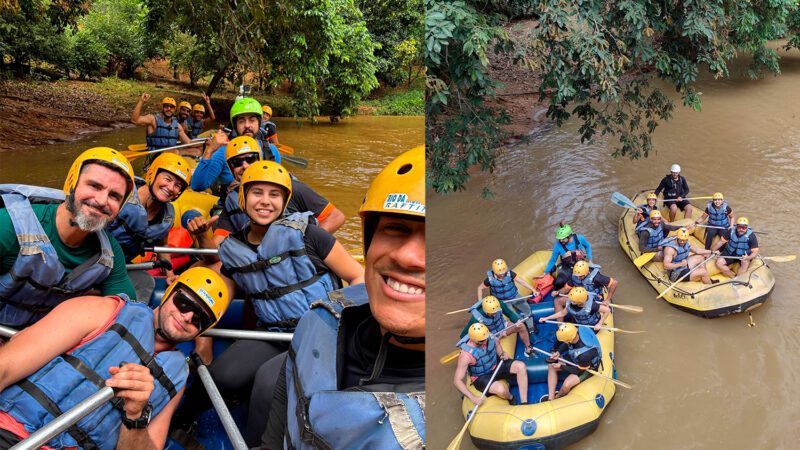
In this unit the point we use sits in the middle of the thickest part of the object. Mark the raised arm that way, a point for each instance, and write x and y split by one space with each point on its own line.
211 117
137 117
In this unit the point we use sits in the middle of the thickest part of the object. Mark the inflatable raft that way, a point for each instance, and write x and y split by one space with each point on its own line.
728 296
550 424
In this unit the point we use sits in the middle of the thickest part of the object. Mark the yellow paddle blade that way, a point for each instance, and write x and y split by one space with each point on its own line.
285 149
133 155
450 357
786 258
455 444
615 381
137 147
643 259
629 308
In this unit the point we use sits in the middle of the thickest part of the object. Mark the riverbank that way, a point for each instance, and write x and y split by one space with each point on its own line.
40 113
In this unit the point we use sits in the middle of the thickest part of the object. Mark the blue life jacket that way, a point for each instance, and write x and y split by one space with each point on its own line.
739 245
583 315
319 415
195 127
268 151
485 358
165 134
646 210
655 236
37 281
495 323
132 230
280 278
682 252
588 341
503 289
588 281
70 378
718 217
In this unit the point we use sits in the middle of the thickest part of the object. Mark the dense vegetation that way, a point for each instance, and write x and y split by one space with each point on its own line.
596 61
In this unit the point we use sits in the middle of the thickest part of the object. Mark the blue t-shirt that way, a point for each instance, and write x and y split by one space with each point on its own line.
210 170
558 250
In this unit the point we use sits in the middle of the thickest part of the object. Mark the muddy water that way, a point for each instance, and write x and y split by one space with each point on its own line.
343 158
699 383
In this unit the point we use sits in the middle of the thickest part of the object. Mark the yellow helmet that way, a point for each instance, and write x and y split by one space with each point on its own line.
499 266
199 107
578 296
172 163
652 195
490 304
185 104
105 156
742 221
655 214
398 189
717 196
580 269
266 109
478 332
682 234
566 332
241 145
269 172
207 286
169 101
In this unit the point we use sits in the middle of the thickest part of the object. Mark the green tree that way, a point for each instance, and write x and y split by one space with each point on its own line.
597 62
89 54
398 27
120 26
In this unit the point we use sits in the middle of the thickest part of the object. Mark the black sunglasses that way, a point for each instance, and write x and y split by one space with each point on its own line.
185 304
237 162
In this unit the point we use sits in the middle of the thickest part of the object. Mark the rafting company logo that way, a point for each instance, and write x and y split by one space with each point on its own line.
202 293
120 163
180 174
400 202
246 148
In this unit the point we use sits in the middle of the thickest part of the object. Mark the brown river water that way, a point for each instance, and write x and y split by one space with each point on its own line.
343 158
698 383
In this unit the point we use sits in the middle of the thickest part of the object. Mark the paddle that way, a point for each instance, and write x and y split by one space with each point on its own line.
133 155
628 308
643 259
504 301
780 259
231 429
687 198
618 330
456 442
621 200
669 288
725 228
590 370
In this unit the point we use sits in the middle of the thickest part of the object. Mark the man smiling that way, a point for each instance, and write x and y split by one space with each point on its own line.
355 375
52 243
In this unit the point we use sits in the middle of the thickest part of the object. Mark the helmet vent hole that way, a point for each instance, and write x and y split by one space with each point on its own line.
404 169
208 281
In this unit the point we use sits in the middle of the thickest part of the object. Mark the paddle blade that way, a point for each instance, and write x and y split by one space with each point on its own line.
619 330
133 155
450 357
621 200
137 147
613 380
296 160
455 444
285 149
786 258
643 259
629 308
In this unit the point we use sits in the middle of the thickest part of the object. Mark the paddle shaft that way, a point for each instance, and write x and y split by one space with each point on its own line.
589 326
219 404
7 332
669 288
686 198
630 308
725 228
456 442
589 369
166 149
450 357
249 334
504 301
183 251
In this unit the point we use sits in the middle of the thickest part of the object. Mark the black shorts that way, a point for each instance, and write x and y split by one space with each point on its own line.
729 258
681 204
677 273
503 374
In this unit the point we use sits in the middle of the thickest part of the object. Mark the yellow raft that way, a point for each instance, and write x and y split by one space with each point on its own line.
550 424
729 296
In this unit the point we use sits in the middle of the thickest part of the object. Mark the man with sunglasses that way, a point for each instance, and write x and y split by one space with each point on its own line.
741 245
107 341
163 130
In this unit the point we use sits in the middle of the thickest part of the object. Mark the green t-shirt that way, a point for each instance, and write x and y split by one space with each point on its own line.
117 281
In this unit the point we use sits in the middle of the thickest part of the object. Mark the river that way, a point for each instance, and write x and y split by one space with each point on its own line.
343 158
698 383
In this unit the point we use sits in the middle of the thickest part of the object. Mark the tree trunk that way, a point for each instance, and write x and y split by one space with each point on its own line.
215 80
175 73
192 79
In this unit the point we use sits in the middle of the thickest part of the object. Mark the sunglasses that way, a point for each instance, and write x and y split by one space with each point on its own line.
185 304
237 162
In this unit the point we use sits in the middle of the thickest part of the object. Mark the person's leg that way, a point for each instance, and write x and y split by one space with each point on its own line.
687 210
522 330
743 266
673 211
722 264
700 273
276 424
552 380
570 382
261 398
143 283
710 233
500 389
521 370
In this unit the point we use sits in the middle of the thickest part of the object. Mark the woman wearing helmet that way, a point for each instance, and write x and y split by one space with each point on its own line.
571 248
720 216
282 264
675 190
643 211
741 245
677 261
578 345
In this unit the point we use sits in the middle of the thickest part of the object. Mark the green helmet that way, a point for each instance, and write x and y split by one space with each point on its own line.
563 232
245 105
